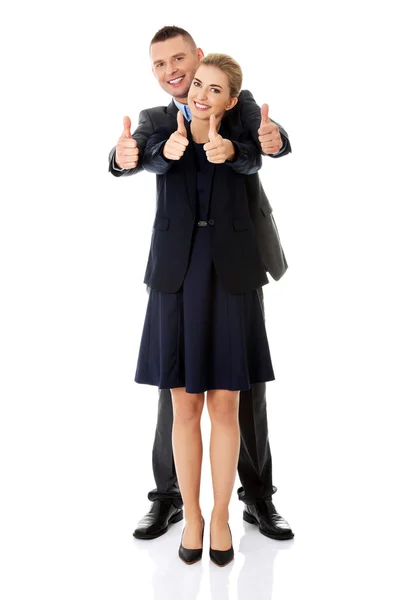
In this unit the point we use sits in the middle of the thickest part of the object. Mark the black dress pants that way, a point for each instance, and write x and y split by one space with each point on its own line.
254 466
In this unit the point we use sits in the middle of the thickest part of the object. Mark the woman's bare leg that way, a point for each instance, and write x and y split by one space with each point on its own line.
188 453
223 408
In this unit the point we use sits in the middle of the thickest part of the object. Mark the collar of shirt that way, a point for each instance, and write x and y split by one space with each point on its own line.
185 110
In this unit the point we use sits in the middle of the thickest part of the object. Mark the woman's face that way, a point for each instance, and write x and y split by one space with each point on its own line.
209 93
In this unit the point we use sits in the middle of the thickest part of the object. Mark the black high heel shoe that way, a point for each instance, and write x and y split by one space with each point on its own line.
191 556
222 557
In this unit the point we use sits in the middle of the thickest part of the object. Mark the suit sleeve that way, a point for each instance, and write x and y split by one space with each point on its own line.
153 159
247 157
250 114
141 134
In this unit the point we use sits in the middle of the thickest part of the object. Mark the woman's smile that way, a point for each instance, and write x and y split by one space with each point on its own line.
200 106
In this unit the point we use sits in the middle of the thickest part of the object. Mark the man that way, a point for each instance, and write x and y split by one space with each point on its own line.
175 58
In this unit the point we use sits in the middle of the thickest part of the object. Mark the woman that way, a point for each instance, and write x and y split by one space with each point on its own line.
204 330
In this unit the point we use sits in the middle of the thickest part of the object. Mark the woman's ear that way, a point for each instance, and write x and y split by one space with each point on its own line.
232 102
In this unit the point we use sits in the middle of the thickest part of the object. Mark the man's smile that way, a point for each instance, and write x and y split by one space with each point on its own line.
176 81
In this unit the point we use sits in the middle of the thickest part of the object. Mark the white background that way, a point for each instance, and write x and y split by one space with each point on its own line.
76 431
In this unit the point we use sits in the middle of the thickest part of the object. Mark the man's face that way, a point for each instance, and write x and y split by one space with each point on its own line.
209 93
174 63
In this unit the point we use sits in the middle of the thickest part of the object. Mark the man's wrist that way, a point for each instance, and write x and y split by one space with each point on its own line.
115 165
231 151
282 149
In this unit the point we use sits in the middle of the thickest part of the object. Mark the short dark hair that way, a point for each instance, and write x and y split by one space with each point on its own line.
170 31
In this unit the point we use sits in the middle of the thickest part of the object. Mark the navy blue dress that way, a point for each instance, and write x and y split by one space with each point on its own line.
202 337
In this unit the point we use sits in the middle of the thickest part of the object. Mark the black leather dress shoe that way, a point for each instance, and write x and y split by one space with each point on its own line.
188 555
157 521
263 513
222 557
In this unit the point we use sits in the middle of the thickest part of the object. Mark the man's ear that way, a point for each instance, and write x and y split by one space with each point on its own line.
232 102
200 54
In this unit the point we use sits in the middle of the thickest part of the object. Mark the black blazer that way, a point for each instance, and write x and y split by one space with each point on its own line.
236 255
246 114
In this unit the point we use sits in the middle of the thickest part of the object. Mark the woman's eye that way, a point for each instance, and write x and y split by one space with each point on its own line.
196 83
215 90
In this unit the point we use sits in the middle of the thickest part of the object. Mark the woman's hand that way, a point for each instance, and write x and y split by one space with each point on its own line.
218 149
177 142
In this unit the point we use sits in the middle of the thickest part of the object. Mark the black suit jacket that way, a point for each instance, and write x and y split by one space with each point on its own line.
246 114
236 255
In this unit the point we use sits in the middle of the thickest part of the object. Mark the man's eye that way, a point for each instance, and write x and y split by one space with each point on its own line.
179 58
160 65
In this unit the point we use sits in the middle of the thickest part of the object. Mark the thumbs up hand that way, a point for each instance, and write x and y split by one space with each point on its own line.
181 124
218 149
264 114
127 152
177 142
213 133
268 133
127 127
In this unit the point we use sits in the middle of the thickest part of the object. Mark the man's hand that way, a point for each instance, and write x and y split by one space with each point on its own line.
268 133
127 154
218 149
177 142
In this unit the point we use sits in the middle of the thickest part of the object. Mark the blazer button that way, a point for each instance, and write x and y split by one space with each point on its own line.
211 222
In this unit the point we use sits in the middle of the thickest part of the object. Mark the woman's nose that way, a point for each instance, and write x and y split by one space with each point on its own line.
202 95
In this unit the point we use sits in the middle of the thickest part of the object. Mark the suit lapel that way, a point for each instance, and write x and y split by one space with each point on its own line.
217 180
208 187
172 110
189 165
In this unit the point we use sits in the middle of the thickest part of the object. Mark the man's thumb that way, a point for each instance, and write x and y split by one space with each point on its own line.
181 124
264 114
127 127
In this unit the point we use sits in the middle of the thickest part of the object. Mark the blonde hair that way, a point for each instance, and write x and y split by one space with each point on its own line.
229 66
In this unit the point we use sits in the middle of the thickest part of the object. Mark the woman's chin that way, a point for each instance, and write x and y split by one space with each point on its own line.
201 114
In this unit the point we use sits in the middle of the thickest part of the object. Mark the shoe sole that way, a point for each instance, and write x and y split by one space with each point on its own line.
224 565
253 521
190 563
153 536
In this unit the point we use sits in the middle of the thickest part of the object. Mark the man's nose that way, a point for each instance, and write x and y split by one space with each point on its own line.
171 68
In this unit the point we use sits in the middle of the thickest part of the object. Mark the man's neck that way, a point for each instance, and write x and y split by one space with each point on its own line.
181 100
